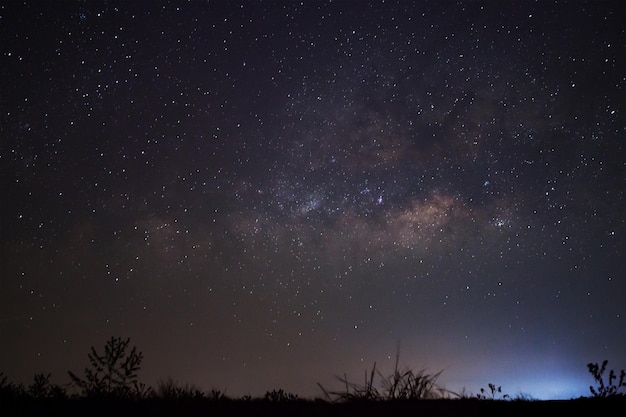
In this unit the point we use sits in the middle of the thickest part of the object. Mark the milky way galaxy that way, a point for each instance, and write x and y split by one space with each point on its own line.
267 194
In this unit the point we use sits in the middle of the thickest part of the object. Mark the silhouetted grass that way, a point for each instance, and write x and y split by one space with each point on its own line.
405 384
114 391
169 390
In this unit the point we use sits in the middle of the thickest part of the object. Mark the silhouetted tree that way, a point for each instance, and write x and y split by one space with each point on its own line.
113 373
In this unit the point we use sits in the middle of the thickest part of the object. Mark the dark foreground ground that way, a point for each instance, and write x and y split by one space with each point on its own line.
189 407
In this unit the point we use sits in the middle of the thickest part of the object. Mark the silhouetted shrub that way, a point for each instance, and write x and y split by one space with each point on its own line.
603 390
10 391
41 387
113 373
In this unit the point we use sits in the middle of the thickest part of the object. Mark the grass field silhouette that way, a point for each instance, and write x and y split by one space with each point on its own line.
110 386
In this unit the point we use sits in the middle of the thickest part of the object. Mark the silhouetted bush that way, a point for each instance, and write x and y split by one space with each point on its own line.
10 391
603 390
113 373
41 387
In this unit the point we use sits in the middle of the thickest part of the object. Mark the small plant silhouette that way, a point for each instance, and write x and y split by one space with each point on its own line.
113 373
603 390
405 384
355 391
41 387
493 392
410 385
217 395
10 390
169 390
278 396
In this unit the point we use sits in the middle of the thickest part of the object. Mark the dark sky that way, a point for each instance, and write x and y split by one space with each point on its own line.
267 194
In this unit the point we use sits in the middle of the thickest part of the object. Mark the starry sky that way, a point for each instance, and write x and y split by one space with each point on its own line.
268 194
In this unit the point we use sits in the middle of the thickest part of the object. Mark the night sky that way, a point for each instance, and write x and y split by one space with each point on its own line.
268 194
